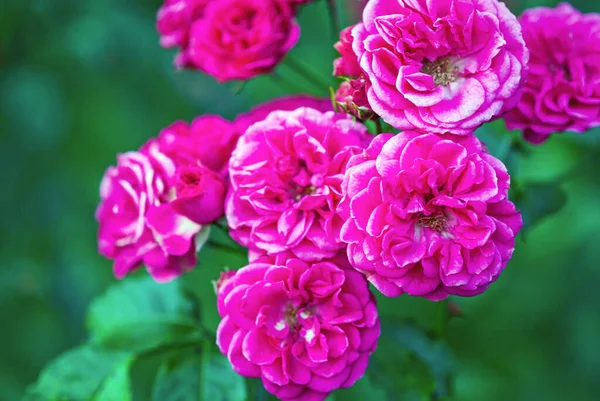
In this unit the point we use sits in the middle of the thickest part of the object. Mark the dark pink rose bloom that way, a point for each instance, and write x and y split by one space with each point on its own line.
136 221
428 215
305 329
562 91
240 39
224 277
173 23
285 103
201 152
200 194
285 175
444 66
347 63
351 95
209 139
352 98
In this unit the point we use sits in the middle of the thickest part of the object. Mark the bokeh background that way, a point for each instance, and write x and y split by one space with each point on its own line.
82 80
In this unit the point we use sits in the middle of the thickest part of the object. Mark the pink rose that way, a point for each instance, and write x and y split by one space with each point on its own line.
285 103
173 23
352 98
305 329
347 63
562 91
240 39
136 221
200 194
286 174
440 66
428 215
224 277
209 139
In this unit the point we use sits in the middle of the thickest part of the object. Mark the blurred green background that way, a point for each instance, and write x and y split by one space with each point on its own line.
82 80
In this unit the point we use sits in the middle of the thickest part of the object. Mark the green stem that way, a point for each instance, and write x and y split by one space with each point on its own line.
222 226
441 319
227 248
505 147
291 85
239 87
305 72
378 127
334 20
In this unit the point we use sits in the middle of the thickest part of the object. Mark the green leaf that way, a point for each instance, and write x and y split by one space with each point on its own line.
178 380
33 395
117 386
219 381
502 144
141 314
537 201
425 365
78 375
205 377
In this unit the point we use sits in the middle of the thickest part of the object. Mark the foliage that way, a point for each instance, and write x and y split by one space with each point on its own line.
133 320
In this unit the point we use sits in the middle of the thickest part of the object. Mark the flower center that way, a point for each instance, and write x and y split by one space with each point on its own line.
301 192
555 68
190 178
442 70
437 223
304 182
291 313
290 317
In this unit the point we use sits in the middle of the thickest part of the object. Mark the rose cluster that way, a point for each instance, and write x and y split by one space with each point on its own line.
323 206
157 202
445 66
449 66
